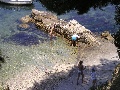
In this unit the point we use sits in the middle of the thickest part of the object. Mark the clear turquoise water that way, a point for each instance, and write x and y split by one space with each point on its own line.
19 55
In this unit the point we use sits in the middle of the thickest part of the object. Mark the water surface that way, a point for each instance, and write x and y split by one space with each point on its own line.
32 47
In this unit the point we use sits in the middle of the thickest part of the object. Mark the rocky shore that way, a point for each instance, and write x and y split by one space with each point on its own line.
63 76
46 20
103 57
97 52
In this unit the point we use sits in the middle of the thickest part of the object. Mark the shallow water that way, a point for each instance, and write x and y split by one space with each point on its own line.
43 56
32 47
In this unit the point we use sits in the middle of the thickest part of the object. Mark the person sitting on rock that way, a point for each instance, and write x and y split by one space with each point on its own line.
74 39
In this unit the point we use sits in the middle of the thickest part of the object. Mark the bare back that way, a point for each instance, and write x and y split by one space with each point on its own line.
81 68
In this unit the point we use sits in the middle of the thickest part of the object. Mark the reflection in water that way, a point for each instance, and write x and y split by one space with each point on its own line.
81 6
15 7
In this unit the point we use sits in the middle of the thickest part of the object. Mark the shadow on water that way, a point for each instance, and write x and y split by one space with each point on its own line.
23 38
52 80
28 37
81 6
34 30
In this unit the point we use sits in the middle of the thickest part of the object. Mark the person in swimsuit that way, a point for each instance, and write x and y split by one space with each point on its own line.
52 32
80 71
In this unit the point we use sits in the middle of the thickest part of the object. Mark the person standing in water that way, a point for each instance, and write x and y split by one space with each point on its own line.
80 71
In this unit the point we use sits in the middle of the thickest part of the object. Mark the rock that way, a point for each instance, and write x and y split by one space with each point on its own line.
24 25
107 36
7 88
26 19
44 20
43 14
110 38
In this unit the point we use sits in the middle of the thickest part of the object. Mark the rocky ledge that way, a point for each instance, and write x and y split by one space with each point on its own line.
45 20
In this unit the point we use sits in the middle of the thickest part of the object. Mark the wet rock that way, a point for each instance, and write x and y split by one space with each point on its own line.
26 19
105 34
25 26
44 20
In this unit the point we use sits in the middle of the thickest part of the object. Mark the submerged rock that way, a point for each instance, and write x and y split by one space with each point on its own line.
25 26
23 38
26 19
